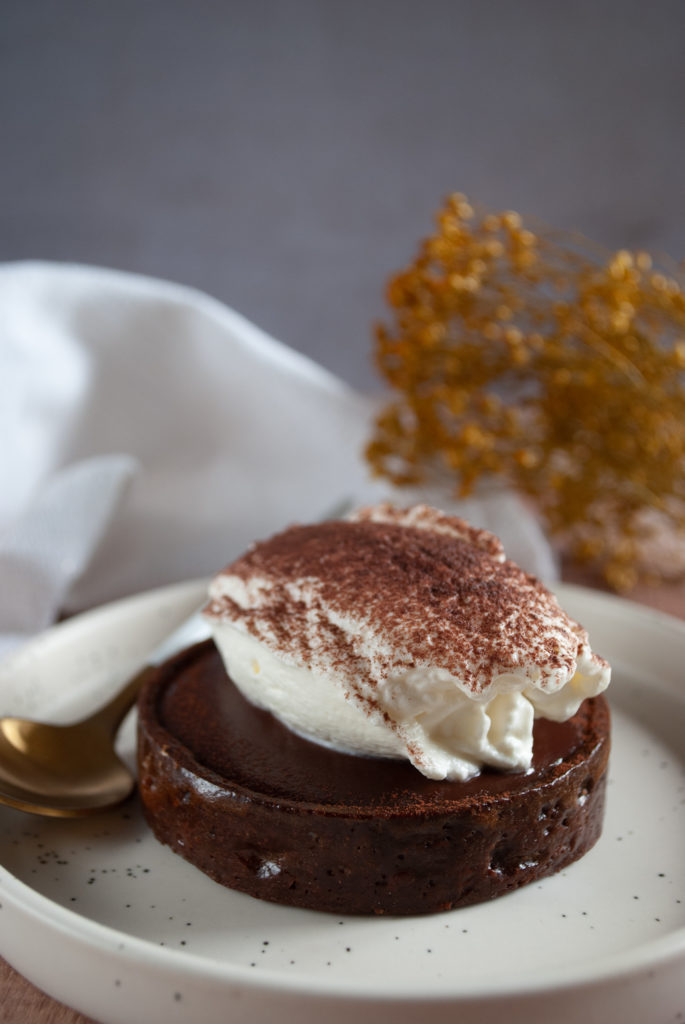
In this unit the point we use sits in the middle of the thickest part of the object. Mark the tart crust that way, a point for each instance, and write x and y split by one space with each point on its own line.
264 811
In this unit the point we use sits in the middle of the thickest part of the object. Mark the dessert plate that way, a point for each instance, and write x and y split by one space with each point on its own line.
103 918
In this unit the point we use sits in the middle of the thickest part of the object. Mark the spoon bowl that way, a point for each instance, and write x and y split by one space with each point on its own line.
67 771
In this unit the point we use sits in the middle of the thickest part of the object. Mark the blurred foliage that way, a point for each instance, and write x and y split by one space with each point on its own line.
536 359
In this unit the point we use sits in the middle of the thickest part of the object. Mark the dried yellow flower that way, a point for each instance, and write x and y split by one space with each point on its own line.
530 357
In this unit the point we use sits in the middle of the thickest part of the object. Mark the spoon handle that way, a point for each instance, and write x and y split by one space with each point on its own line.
110 717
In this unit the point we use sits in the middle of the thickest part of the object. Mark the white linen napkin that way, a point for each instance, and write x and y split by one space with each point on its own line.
149 434
43 553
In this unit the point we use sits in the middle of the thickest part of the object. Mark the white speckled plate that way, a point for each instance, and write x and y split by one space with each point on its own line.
102 917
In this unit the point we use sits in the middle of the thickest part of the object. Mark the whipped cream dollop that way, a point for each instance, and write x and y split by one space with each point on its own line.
402 633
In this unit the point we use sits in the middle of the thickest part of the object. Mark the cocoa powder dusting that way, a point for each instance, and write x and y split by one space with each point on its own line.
427 596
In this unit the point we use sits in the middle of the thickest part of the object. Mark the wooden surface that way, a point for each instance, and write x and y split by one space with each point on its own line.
22 1003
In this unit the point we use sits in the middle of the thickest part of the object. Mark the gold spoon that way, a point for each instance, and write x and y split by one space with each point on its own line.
68 771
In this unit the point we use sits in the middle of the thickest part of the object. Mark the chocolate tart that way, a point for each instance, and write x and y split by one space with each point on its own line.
263 811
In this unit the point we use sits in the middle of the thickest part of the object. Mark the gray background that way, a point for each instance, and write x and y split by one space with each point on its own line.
287 157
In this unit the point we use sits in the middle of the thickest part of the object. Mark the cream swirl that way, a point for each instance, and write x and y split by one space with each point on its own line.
402 633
